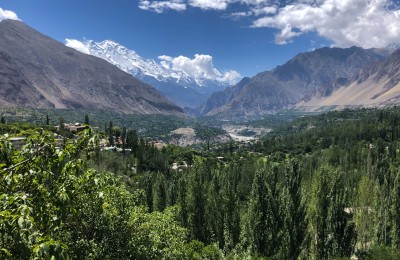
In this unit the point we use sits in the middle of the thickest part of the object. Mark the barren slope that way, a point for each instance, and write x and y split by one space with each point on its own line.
39 72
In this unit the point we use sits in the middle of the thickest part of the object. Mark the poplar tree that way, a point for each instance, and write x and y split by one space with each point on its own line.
196 204
123 137
257 214
264 220
214 211
231 209
331 229
363 213
86 119
340 225
110 134
317 215
159 193
395 213
295 224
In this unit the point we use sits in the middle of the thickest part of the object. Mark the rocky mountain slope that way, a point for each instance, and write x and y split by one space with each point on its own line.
375 85
182 88
39 72
308 76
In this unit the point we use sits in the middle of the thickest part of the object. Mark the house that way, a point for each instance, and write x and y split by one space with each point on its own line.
74 128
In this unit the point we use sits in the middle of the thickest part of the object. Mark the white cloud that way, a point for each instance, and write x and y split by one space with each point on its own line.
284 36
162 6
200 67
345 22
238 15
77 45
7 14
264 10
231 77
210 4
181 5
365 23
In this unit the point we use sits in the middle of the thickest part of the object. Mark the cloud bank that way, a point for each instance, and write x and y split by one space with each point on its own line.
372 23
200 67
345 22
6 14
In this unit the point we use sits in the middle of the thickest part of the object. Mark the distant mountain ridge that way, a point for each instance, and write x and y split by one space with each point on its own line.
376 85
39 72
305 80
178 86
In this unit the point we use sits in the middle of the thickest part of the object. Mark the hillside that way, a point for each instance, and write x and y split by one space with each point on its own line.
376 85
308 76
39 72
183 88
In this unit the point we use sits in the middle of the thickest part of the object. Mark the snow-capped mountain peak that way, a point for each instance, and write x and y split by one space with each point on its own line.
125 59
181 70
186 81
392 47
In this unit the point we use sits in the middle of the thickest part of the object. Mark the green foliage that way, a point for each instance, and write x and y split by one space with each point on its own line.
157 235
331 227
197 250
196 203
294 213
363 214
264 220
87 120
324 187
149 126
381 252
53 206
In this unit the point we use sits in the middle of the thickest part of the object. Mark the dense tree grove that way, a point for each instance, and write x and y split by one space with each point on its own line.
53 205
322 187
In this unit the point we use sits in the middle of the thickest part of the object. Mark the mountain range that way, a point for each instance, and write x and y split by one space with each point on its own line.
325 78
310 81
375 85
183 88
39 72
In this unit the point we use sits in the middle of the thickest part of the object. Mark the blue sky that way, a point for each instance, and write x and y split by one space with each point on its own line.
248 36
